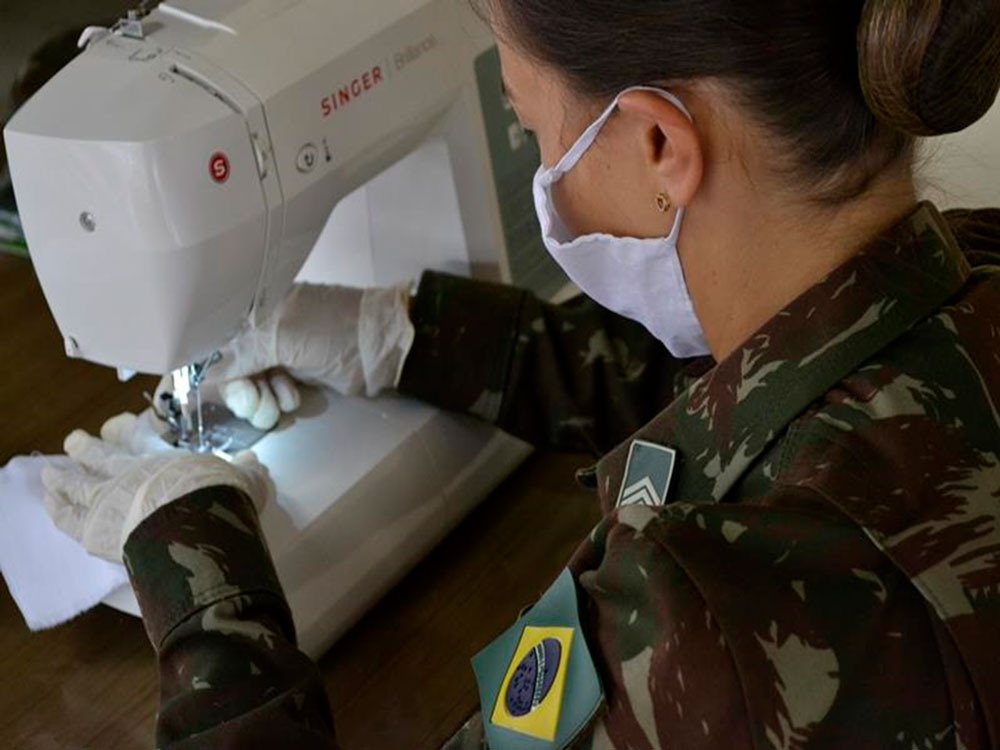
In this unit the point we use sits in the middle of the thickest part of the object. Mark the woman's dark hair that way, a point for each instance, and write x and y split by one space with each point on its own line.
846 84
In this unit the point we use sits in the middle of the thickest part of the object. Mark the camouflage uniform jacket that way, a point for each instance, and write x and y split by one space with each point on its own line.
826 570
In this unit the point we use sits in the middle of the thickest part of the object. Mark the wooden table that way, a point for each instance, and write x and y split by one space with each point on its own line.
399 679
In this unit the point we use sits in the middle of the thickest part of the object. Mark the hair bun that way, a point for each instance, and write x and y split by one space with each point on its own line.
930 67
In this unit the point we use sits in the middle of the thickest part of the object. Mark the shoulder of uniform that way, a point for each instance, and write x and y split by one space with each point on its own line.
977 232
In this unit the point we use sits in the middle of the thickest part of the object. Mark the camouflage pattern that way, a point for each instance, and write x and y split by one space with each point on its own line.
826 571
230 674
566 377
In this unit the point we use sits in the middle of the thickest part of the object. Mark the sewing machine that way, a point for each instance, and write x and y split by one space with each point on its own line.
180 174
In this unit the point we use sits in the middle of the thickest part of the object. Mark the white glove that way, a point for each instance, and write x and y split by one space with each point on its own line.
350 340
114 483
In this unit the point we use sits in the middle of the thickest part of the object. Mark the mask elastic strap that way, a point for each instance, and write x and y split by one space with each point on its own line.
675 231
586 140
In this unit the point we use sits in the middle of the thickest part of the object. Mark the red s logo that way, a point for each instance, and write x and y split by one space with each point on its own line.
218 167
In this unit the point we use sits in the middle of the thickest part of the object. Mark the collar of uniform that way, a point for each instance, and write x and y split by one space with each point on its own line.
729 416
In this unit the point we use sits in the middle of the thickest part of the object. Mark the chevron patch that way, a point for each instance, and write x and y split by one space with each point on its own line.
648 472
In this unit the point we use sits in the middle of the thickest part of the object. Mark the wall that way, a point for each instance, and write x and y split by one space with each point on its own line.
963 170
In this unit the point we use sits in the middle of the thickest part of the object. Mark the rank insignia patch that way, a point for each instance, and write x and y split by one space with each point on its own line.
531 695
648 472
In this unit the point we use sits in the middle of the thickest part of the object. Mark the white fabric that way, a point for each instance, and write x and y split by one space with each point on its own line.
641 279
50 576
351 340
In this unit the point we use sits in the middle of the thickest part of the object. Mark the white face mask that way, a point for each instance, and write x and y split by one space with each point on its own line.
640 279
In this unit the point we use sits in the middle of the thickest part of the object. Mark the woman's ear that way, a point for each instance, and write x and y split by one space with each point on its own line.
671 144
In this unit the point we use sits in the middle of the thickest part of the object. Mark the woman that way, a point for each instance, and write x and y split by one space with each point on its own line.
800 545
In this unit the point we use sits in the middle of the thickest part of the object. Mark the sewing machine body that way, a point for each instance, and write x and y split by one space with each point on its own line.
175 177
173 185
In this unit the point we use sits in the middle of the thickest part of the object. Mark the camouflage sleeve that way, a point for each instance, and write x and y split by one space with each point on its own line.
230 673
571 377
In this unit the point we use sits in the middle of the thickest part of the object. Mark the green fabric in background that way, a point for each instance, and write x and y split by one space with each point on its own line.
17 250
11 234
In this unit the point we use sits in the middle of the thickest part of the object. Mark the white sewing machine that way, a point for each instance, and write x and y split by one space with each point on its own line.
174 179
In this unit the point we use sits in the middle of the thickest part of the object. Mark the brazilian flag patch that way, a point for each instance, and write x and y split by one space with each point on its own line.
531 695
538 687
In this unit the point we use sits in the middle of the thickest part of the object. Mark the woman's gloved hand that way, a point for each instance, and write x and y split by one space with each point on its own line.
351 340
113 483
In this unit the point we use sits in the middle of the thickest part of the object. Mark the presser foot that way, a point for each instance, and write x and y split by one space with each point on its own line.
221 433
198 424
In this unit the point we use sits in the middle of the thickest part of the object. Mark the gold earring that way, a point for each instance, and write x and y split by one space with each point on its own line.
662 203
